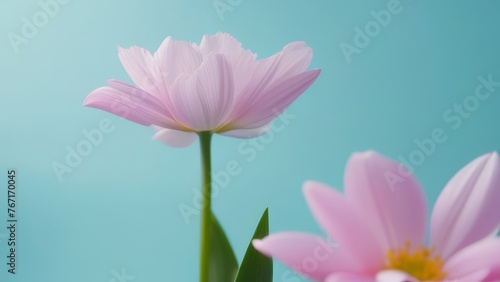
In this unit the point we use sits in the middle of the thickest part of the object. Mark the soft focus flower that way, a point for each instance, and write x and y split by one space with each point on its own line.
216 86
379 226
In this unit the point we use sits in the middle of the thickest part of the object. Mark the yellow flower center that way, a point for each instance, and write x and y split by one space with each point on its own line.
420 263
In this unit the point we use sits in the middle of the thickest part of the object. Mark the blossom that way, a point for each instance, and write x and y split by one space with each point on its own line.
379 226
219 87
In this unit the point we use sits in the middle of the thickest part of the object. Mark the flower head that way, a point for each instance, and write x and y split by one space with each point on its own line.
379 230
216 86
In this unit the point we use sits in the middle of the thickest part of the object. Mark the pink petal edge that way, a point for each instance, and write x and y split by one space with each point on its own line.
395 276
247 133
131 103
475 259
349 277
396 212
174 138
272 103
468 208
203 100
307 254
345 225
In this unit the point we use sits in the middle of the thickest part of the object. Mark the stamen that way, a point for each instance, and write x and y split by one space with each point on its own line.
420 263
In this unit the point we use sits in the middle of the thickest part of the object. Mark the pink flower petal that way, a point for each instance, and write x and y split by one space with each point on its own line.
476 259
291 61
396 212
479 275
139 64
130 103
242 61
204 98
247 133
468 209
344 224
267 107
175 138
349 277
176 58
394 276
217 86
307 254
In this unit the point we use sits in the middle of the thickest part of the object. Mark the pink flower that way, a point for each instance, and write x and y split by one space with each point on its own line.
216 86
379 226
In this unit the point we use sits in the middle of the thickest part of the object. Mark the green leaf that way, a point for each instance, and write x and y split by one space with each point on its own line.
256 267
223 263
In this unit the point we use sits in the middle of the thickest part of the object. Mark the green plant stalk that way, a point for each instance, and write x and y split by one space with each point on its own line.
206 212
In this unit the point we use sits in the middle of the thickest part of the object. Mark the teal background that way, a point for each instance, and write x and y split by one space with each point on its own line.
119 209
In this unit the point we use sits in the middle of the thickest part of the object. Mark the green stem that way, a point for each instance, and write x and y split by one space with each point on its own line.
206 212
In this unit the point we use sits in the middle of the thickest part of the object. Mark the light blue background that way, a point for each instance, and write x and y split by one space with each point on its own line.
119 207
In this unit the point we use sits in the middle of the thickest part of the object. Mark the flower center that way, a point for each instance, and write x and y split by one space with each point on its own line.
420 263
